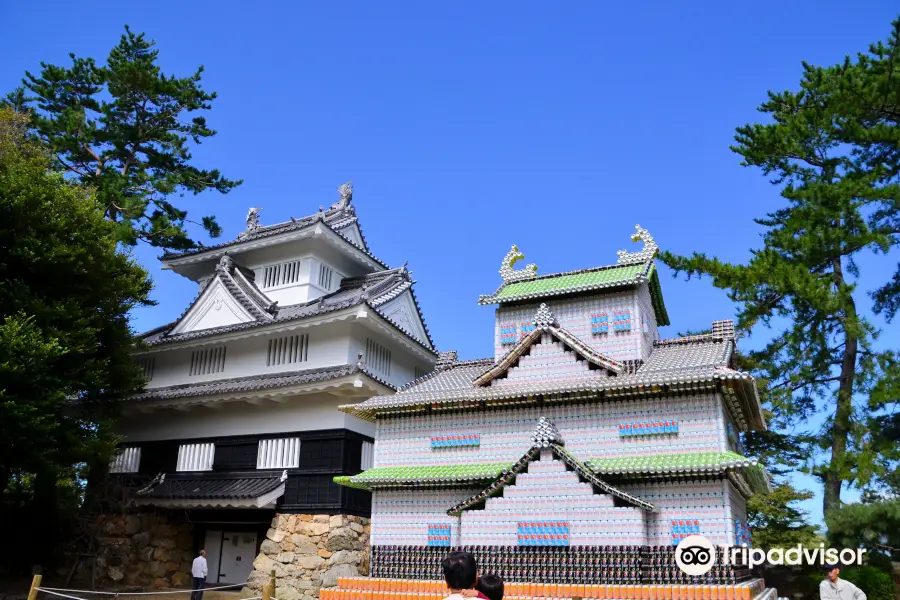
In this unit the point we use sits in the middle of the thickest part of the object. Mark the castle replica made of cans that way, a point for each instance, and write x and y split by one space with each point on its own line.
574 460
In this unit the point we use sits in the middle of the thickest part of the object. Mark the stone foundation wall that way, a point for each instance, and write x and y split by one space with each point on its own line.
143 549
310 552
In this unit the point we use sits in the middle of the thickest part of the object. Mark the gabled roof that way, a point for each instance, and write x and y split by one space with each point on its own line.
545 323
373 290
547 436
339 217
679 365
239 284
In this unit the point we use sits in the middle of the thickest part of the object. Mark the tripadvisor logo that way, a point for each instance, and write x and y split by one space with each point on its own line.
695 555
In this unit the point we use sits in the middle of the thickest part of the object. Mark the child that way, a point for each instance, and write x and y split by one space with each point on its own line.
491 586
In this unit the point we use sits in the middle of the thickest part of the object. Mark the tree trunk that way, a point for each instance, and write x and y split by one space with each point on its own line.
840 430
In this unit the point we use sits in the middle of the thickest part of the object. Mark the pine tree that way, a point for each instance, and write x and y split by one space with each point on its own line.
65 338
841 203
125 129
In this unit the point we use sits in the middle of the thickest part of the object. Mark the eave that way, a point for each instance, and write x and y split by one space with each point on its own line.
267 501
357 383
314 229
738 388
359 309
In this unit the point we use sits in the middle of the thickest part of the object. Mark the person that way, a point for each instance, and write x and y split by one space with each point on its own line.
491 586
835 588
461 575
199 571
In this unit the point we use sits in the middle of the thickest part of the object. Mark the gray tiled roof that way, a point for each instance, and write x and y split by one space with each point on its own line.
374 289
336 218
213 486
255 383
676 365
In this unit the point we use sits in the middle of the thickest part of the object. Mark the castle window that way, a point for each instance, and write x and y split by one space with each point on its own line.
281 274
128 460
280 453
207 361
327 277
622 320
368 456
420 372
195 457
288 350
378 357
146 364
507 334
599 323
526 328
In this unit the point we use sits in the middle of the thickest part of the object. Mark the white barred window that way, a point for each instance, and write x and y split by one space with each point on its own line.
327 277
282 274
146 364
378 357
368 456
280 453
288 350
128 460
208 361
196 457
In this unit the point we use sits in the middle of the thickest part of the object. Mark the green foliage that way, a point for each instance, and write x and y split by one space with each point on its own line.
124 128
65 339
874 526
776 522
875 583
840 203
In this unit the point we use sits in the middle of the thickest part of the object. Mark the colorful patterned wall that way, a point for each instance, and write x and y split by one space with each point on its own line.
403 518
548 361
629 341
543 498
710 502
590 431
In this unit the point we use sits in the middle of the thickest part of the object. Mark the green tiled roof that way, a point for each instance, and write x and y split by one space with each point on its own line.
657 464
669 462
580 281
425 474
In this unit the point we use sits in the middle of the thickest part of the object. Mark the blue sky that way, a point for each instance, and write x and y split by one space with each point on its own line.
467 127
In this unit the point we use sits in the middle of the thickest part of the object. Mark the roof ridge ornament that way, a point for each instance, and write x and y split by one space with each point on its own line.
227 263
645 254
546 433
510 275
346 192
543 318
253 219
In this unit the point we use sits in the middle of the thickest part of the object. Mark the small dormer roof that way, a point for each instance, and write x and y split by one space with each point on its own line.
375 290
545 323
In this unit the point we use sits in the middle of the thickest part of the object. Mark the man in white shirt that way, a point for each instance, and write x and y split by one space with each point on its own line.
198 570
835 588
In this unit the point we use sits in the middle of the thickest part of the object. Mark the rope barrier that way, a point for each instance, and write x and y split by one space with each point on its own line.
56 591
58 594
